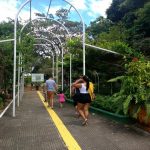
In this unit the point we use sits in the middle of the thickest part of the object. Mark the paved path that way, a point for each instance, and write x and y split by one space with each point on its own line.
33 129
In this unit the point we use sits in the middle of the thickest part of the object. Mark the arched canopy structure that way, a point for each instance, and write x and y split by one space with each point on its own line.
47 46
59 42
15 43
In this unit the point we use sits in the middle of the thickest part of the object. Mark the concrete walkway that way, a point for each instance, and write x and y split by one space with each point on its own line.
34 129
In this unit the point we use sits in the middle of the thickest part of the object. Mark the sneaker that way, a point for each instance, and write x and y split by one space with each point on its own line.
85 123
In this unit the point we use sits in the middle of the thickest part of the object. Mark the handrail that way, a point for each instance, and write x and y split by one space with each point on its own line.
3 112
8 40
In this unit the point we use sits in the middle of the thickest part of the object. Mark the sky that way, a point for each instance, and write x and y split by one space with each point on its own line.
89 9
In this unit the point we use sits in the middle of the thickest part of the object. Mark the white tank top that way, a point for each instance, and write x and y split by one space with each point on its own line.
83 88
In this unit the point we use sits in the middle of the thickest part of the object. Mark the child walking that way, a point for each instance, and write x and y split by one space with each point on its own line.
61 98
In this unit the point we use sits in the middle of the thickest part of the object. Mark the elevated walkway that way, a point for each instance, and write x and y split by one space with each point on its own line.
37 127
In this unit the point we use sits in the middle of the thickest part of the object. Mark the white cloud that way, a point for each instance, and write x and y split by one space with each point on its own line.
7 9
93 8
25 14
53 9
90 14
79 4
99 6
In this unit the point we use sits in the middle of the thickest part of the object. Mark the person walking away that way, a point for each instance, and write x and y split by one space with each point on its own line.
75 93
84 98
61 98
45 92
51 88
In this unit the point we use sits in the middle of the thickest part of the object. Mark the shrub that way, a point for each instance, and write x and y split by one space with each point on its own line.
1 102
135 86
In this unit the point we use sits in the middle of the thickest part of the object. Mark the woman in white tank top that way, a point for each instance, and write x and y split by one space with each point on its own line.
84 98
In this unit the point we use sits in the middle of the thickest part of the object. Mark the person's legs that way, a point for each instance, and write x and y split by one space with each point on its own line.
86 110
61 105
48 98
45 97
80 107
76 107
51 99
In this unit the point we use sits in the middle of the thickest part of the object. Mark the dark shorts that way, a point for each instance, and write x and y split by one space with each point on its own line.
75 99
84 98
50 94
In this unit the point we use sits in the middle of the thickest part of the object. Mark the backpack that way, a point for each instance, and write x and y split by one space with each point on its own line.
91 91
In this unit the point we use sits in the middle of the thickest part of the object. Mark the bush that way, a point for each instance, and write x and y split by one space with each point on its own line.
1 102
107 103
135 86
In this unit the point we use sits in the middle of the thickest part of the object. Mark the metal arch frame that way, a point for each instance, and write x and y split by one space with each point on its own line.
57 57
47 45
18 98
83 31
46 19
59 41
15 39
52 44
62 63
51 53
15 44
83 40
19 67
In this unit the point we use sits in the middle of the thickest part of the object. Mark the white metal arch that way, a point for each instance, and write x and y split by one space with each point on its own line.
60 43
15 43
83 37
47 45
57 38
54 47
15 37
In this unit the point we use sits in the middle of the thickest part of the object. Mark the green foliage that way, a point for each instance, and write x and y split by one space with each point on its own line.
115 40
118 46
98 26
135 85
116 33
121 48
1 103
134 15
119 8
26 49
62 14
74 47
143 20
148 109
113 12
26 45
6 30
108 103
67 92
27 80
6 55
140 32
